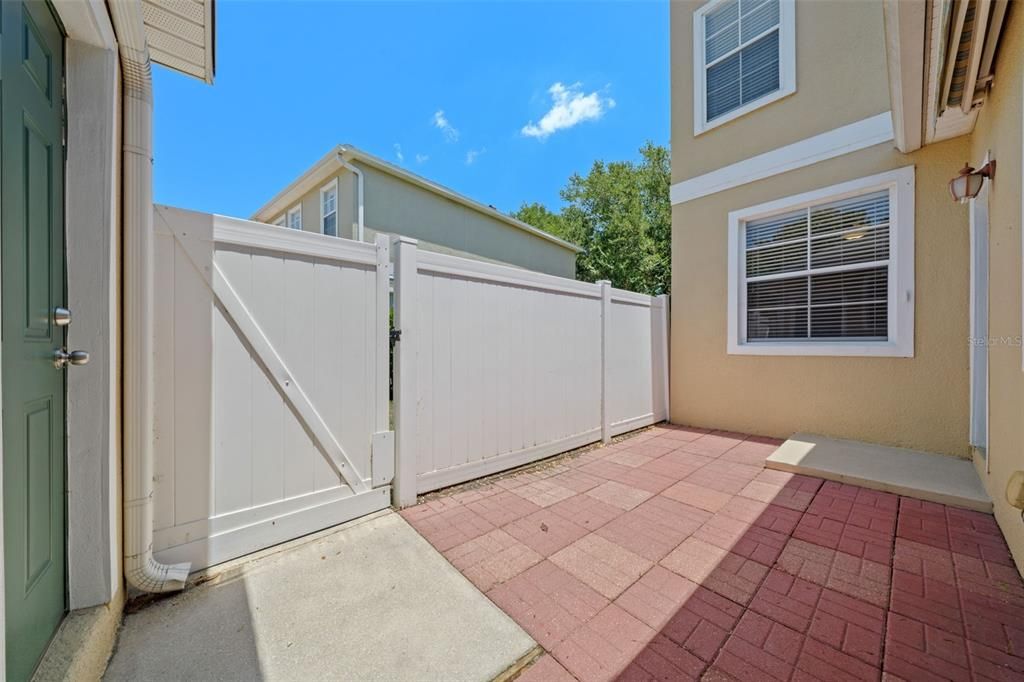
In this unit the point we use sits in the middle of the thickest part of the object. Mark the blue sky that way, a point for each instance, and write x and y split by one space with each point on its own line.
295 78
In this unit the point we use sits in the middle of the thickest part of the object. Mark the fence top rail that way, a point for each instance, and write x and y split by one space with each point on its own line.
632 297
455 266
247 233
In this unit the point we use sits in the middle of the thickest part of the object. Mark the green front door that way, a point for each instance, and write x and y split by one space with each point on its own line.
31 286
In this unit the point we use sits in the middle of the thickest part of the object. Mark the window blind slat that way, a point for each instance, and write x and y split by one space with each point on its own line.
721 43
843 287
728 13
777 229
763 325
775 259
757 19
723 84
777 293
867 321
871 209
862 246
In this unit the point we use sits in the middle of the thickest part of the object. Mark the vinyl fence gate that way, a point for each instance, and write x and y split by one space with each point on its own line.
272 415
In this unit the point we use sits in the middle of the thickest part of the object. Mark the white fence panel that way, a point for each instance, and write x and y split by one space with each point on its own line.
508 368
504 367
271 382
637 362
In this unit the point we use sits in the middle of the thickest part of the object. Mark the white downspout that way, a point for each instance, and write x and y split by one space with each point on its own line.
359 195
140 568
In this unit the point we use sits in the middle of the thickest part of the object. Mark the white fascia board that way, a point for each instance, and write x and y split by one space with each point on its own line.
905 54
843 140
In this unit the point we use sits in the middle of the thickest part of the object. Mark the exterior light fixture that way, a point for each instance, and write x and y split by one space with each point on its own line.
968 183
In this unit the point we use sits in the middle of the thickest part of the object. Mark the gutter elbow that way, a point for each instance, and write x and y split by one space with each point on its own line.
145 573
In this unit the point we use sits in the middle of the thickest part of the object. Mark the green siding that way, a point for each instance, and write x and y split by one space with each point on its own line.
397 207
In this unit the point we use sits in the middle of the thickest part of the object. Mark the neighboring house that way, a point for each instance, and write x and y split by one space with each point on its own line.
351 194
75 206
823 278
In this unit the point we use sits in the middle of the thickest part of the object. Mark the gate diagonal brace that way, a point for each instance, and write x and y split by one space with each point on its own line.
274 366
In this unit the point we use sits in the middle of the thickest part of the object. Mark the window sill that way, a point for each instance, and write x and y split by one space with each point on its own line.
883 349
700 126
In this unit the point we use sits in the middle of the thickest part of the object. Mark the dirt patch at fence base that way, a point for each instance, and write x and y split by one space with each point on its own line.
540 465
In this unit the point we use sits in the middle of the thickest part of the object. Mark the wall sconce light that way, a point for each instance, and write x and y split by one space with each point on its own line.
968 183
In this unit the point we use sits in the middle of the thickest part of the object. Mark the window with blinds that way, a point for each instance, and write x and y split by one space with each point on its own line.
329 210
295 218
820 273
744 50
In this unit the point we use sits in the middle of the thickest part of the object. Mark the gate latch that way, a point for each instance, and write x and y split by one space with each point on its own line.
395 335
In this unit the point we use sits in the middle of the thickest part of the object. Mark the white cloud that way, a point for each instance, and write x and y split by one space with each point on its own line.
442 123
472 155
422 158
569 107
398 153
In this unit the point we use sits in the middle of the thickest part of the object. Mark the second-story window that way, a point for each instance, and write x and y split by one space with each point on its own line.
329 209
295 217
744 58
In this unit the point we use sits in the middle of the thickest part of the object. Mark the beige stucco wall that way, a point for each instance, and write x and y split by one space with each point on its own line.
919 402
999 131
847 36
394 206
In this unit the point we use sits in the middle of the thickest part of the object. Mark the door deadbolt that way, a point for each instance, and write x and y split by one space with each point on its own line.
61 317
63 357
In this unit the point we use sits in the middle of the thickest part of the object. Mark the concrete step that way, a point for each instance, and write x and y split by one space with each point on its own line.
922 475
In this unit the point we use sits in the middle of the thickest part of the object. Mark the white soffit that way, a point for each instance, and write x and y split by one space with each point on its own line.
180 35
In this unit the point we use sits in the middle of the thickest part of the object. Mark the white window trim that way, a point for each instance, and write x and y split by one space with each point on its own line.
323 190
900 343
297 209
787 67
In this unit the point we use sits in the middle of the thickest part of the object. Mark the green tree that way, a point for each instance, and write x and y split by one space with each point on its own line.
540 217
620 214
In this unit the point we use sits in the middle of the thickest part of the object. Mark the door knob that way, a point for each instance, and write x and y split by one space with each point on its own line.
62 358
61 317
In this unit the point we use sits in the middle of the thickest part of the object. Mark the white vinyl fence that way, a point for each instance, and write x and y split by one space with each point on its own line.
272 381
498 367
271 387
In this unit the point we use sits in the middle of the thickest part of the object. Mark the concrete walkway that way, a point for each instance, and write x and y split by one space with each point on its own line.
369 601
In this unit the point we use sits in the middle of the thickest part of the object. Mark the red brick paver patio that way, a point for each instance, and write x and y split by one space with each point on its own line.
675 555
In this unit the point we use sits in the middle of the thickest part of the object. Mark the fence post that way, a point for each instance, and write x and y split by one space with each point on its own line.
404 491
663 343
606 322
382 409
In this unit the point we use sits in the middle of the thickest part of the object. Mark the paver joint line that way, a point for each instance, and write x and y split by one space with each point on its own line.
679 556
